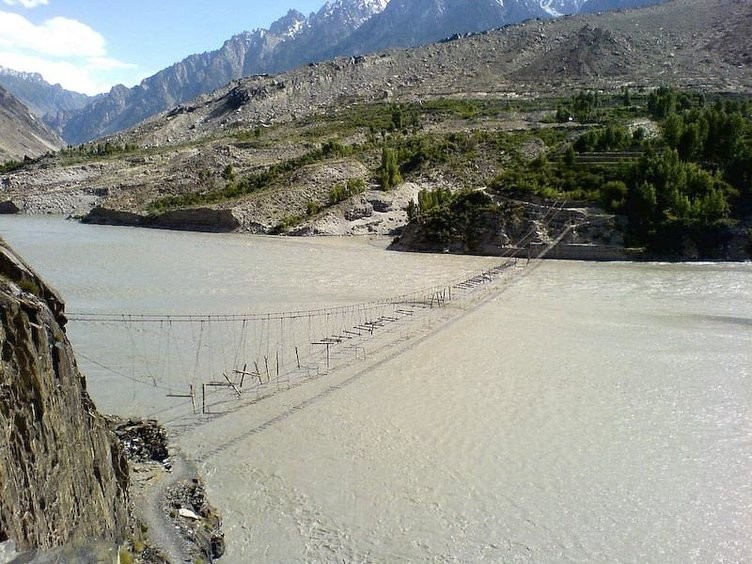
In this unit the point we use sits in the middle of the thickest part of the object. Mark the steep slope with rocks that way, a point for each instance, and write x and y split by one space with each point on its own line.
41 97
606 5
63 475
22 134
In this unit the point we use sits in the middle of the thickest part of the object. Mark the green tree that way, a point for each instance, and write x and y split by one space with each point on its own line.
389 173
626 96
563 114
228 173
662 102
711 207
672 129
584 104
570 158
397 118
690 143
614 195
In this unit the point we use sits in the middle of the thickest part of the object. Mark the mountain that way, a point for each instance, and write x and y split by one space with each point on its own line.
409 23
22 134
41 97
339 28
319 37
195 75
304 39
562 6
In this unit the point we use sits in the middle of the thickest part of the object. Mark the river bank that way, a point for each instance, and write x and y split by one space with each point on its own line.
596 236
374 214
174 521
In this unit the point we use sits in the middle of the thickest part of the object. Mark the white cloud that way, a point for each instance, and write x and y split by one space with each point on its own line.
58 37
26 3
62 50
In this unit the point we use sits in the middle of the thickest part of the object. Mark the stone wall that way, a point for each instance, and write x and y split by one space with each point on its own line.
63 476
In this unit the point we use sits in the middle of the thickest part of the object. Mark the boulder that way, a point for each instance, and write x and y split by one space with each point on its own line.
9 207
360 210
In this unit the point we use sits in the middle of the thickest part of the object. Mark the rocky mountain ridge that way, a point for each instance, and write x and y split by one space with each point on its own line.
291 41
41 97
339 28
21 133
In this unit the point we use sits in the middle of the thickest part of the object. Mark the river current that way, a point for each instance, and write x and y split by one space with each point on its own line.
585 412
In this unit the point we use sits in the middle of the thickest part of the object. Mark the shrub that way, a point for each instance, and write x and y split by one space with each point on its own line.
312 208
341 192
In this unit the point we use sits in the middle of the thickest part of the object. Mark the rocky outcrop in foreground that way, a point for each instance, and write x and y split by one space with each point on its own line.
168 498
63 475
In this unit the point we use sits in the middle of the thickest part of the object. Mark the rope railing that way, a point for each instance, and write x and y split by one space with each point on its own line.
415 295
285 348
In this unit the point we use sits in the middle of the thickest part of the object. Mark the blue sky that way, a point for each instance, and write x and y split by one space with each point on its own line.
91 45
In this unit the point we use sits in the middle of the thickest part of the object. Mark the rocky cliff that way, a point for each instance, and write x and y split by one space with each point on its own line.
41 97
63 475
475 223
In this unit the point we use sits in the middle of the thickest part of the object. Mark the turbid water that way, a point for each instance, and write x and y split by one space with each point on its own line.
135 271
583 413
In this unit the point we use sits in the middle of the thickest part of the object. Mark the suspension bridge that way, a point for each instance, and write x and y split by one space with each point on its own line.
201 366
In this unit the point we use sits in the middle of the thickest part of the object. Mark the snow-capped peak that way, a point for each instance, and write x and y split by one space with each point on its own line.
31 76
555 8
289 25
547 6
352 13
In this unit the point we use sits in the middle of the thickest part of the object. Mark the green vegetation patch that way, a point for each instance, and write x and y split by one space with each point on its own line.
341 192
90 151
12 165
686 186
447 219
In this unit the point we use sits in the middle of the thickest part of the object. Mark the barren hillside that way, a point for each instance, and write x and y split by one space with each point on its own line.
255 151
685 43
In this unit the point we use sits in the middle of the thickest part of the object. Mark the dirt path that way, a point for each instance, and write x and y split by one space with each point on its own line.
162 533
